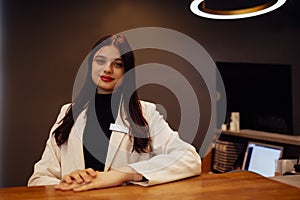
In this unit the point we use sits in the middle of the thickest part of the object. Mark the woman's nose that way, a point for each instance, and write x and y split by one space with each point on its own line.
108 68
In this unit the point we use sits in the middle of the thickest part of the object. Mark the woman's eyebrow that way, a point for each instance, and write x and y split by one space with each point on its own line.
101 56
118 59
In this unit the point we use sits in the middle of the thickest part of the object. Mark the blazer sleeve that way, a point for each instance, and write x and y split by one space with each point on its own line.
173 158
47 171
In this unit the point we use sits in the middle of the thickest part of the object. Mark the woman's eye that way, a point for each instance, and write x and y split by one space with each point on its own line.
100 61
118 64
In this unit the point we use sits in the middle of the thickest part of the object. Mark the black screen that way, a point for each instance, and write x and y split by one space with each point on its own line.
262 94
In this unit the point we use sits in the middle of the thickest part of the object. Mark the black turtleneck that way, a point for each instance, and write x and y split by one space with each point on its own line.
99 117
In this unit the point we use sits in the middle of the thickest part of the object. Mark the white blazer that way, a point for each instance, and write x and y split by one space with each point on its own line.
171 159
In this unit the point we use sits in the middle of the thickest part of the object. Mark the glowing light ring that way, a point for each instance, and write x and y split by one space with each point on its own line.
195 9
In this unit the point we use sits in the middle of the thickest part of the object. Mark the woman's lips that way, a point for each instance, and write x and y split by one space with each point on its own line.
106 78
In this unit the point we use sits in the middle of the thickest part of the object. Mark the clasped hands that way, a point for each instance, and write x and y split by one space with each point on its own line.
87 179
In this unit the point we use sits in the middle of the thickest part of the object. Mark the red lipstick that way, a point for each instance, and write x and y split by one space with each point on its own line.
106 78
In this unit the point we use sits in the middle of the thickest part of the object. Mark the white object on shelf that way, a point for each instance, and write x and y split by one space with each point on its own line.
224 127
235 122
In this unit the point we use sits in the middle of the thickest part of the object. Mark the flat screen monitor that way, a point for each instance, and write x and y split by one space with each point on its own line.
262 93
261 158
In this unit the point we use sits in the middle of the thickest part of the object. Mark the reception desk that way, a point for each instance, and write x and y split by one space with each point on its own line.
233 185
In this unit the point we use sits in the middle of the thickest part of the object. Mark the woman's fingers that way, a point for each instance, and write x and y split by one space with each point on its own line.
101 180
83 176
91 172
80 176
68 179
85 187
67 186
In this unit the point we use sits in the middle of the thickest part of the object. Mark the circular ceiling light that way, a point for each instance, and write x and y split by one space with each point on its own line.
213 11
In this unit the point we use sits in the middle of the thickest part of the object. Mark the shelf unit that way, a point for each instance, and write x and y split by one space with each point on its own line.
290 143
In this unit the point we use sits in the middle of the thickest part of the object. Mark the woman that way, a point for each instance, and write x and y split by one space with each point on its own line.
88 148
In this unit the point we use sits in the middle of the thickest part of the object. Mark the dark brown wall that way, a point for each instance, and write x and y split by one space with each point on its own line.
44 43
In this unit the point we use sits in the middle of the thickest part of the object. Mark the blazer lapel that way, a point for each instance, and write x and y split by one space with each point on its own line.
80 124
116 140
114 145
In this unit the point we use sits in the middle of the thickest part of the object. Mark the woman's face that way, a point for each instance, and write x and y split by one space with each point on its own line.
107 69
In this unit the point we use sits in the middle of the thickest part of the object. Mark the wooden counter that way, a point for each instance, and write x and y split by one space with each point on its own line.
234 185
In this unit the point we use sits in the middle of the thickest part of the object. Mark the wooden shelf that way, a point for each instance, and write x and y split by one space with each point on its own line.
266 136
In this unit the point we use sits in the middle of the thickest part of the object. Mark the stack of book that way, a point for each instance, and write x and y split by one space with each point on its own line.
227 155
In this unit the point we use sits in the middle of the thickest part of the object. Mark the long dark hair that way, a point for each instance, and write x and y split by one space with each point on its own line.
138 125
